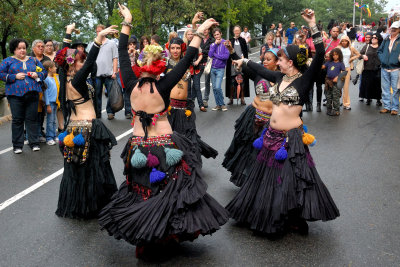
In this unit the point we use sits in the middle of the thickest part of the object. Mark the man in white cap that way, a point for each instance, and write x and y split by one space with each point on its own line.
388 53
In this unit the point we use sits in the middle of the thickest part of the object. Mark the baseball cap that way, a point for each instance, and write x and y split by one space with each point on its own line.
395 24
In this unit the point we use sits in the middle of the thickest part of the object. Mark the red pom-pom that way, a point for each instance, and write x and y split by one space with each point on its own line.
156 68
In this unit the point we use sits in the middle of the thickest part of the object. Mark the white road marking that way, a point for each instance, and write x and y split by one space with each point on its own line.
49 178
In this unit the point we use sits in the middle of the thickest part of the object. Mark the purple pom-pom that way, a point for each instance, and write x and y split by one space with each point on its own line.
156 176
152 161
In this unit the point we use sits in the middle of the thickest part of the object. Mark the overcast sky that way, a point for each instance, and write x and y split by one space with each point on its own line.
392 3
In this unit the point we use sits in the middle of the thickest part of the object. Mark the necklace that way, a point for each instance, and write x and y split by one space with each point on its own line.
287 78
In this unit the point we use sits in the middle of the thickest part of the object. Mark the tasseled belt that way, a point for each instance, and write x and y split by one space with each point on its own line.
261 116
277 139
179 104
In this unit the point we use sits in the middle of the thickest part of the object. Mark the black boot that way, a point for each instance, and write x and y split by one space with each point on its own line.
319 107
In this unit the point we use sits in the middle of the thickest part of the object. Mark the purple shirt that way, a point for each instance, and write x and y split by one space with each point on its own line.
10 67
333 69
220 54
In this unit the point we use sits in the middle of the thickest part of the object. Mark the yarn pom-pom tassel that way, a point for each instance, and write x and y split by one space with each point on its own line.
305 128
173 156
61 136
69 140
314 142
258 143
79 140
156 176
188 113
152 161
281 154
138 159
308 139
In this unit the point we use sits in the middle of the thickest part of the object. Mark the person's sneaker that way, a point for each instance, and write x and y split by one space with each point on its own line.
347 108
51 142
17 150
36 148
26 142
110 116
128 116
203 109
42 139
205 102
224 108
216 108
384 110
56 139
378 103
394 112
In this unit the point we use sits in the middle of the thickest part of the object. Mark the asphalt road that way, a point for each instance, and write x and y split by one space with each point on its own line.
357 157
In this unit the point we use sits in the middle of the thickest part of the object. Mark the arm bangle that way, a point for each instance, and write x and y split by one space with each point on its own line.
318 40
314 30
199 34
97 43
245 61
124 23
65 40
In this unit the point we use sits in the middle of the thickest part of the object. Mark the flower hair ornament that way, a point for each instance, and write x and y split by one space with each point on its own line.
302 55
65 56
151 60
298 54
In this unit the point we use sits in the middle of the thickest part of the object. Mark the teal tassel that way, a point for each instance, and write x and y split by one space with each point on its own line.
314 142
156 176
281 154
62 135
305 128
79 140
173 156
138 159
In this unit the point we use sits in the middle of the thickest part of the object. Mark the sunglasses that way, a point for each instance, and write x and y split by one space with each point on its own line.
374 37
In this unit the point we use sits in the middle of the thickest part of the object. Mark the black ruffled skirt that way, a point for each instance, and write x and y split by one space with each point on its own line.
371 85
88 182
161 198
276 189
241 154
182 118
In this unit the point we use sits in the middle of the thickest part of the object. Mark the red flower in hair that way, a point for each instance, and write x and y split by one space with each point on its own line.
156 68
183 47
60 56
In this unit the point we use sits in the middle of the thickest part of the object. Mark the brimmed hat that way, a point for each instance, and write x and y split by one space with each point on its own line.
78 42
395 24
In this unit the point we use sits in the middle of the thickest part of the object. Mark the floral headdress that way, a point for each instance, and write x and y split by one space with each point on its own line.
152 60
65 56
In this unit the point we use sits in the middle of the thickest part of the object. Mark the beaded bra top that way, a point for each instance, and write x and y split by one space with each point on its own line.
289 95
263 90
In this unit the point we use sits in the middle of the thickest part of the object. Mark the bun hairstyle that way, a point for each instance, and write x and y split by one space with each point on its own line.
297 54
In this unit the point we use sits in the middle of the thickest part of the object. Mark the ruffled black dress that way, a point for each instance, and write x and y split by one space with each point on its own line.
88 180
163 196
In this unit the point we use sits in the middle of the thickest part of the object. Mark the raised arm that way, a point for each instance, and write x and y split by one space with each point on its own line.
128 76
67 41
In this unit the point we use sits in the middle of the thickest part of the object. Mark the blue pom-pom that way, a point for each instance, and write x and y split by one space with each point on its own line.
156 176
305 128
281 154
314 142
62 135
79 140
138 159
173 156
258 143
263 132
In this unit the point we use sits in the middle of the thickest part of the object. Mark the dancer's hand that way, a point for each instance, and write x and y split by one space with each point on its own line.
125 13
197 17
70 28
110 30
309 16
207 24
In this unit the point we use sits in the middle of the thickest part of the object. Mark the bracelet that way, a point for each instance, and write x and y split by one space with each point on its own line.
314 30
65 40
245 61
124 23
97 43
318 40
199 34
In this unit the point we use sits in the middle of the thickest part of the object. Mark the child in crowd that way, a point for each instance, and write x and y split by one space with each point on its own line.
51 99
334 66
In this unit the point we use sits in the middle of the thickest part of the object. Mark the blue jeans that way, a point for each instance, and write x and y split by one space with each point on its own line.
207 86
217 75
51 125
196 88
127 98
24 109
100 81
390 100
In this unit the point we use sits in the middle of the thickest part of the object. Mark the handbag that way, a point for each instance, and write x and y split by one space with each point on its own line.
360 64
207 68
115 96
